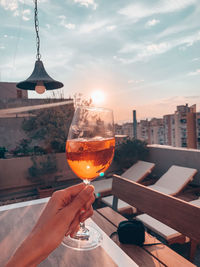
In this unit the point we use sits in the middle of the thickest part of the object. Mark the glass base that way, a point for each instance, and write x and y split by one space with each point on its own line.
86 240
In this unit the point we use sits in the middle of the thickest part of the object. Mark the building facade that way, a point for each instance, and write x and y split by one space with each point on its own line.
15 107
8 90
181 129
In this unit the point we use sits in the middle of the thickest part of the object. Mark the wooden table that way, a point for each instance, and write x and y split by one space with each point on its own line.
17 220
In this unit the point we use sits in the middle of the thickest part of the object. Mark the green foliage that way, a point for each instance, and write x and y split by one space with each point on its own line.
23 148
50 127
129 152
3 151
43 168
38 150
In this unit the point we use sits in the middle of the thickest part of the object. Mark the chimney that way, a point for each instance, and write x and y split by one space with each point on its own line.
134 125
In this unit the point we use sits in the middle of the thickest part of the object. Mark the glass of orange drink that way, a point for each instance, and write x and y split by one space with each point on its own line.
89 151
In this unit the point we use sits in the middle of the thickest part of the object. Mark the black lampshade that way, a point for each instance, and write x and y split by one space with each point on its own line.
39 74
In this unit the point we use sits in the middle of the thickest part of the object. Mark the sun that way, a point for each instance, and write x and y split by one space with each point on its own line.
98 97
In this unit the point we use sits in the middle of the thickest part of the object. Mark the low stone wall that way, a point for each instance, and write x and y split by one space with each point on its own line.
14 173
166 156
11 132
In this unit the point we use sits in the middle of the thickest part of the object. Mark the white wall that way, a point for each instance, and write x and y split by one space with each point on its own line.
166 156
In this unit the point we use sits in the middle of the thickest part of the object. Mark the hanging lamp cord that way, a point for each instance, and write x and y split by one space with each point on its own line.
38 56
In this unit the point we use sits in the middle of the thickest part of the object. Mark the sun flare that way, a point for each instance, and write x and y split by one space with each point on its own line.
98 97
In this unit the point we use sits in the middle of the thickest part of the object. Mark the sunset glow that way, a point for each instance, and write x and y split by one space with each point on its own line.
125 55
98 97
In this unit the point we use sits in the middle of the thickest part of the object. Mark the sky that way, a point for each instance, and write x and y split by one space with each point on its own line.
142 55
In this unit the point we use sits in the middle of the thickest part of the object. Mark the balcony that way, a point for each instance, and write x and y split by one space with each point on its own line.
17 187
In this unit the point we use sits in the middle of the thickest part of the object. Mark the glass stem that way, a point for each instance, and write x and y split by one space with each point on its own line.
86 182
82 224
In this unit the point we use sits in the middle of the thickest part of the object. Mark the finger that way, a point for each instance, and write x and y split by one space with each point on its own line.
80 200
75 231
63 197
90 202
86 215
72 191
74 224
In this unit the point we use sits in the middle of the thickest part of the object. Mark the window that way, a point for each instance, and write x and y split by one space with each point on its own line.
183 120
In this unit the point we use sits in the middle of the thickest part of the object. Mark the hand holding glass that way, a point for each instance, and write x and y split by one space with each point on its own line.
89 152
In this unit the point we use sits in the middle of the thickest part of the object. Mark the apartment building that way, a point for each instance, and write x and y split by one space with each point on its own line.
156 129
127 129
169 129
198 129
181 129
143 130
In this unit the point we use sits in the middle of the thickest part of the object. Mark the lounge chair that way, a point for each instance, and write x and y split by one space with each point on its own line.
136 173
170 212
166 232
172 182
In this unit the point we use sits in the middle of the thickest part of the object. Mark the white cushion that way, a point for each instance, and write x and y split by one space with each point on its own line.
104 184
137 172
109 201
174 179
156 226
159 227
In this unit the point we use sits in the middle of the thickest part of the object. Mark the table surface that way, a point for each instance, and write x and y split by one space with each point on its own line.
17 220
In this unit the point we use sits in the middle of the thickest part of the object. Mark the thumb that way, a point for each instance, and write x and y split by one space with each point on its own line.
80 201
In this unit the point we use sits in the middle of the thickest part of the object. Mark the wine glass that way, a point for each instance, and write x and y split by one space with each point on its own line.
89 152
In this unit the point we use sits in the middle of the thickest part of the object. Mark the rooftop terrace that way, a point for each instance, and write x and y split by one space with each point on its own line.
163 157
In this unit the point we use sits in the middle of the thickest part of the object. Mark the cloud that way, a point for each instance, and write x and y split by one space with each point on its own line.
194 73
2 47
16 13
87 3
88 28
14 6
138 11
135 81
152 22
111 27
163 106
11 5
195 59
26 14
146 50
63 23
143 51
174 30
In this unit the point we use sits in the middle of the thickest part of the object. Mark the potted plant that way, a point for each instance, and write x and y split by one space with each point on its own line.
129 152
3 151
43 171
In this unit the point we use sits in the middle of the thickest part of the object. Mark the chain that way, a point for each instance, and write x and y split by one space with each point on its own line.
38 56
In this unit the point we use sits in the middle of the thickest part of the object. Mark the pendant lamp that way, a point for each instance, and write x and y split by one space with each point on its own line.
39 80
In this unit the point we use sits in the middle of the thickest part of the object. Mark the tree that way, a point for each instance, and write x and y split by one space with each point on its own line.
129 152
43 170
50 127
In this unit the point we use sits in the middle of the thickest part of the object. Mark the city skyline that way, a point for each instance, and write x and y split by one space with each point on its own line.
142 55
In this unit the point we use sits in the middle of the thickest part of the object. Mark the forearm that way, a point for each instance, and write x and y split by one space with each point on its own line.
29 254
